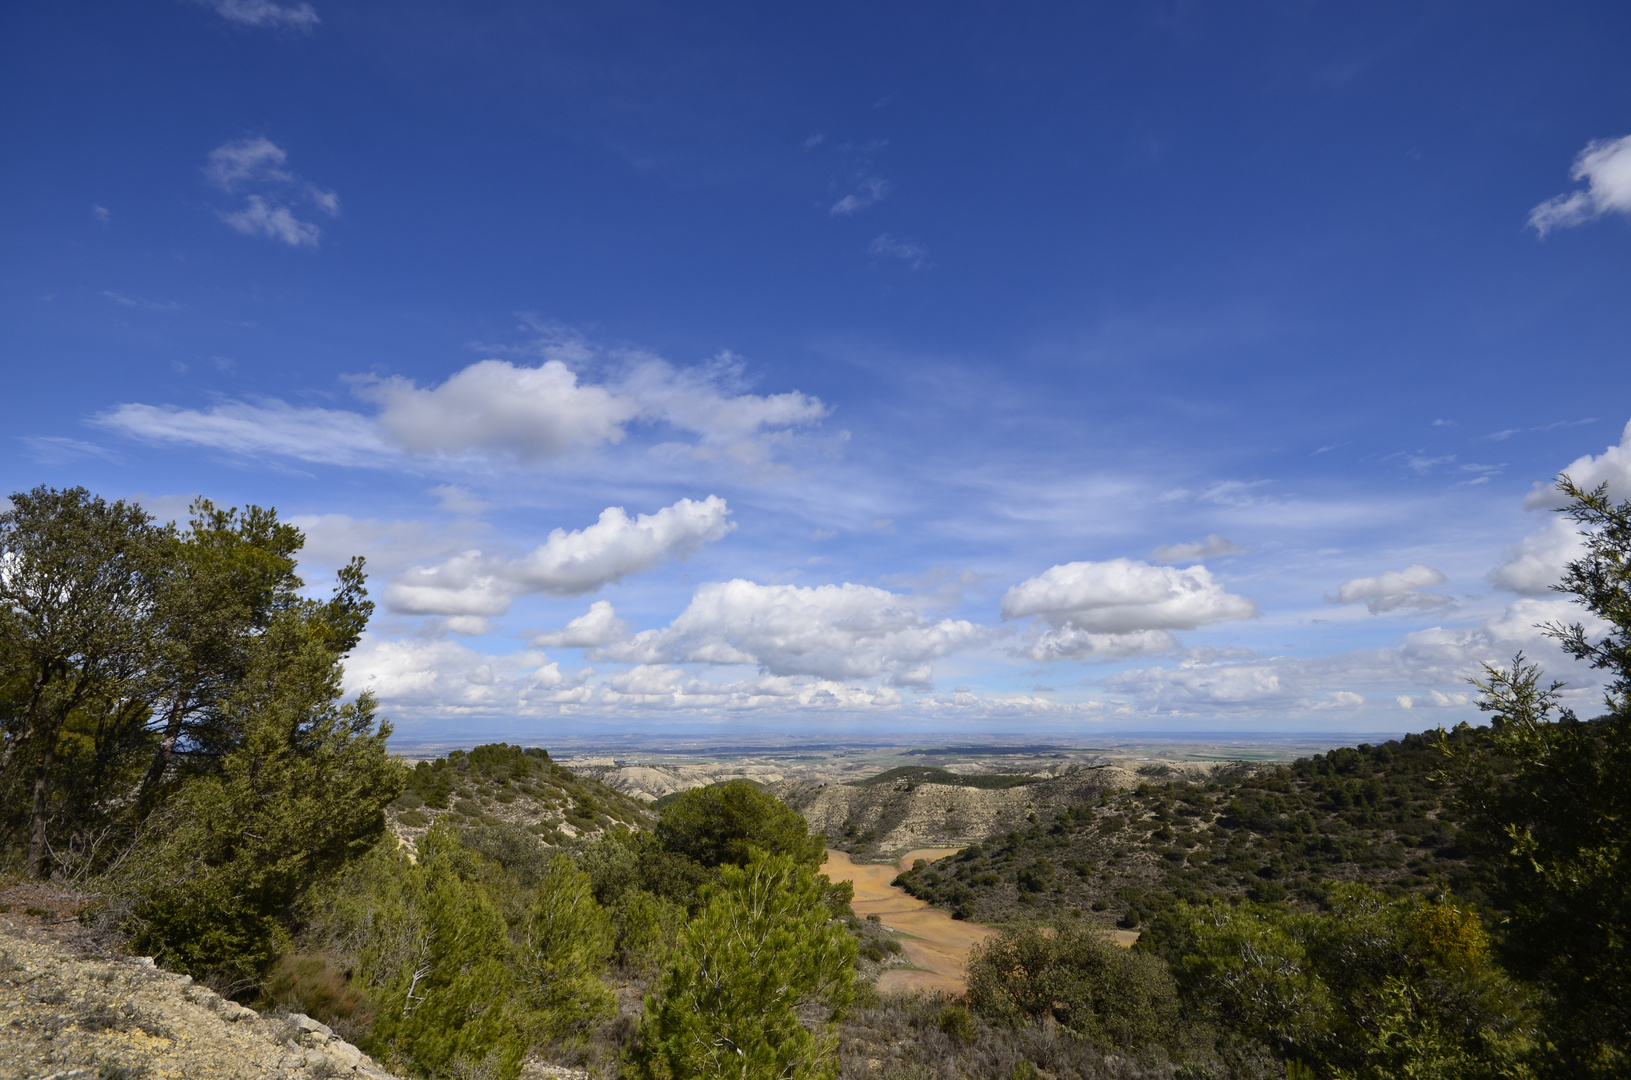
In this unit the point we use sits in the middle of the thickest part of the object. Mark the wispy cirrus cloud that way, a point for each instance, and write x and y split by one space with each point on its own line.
325 436
909 251
1605 166
140 304
264 13
868 191
257 168
55 450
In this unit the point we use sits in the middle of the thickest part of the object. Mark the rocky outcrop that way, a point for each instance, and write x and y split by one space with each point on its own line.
73 1012
652 782
889 819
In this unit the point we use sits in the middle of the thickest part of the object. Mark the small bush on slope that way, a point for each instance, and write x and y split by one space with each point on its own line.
1078 978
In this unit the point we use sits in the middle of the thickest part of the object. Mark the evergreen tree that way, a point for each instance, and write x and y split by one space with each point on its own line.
440 955
723 823
230 576
1548 804
764 948
298 790
566 940
79 581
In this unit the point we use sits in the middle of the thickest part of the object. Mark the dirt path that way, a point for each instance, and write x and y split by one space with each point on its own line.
935 943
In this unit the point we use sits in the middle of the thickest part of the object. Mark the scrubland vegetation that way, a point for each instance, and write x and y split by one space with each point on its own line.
177 749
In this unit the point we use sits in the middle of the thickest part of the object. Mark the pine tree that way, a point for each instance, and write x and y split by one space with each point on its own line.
566 940
763 951
299 790
79 580
440 955
1548 804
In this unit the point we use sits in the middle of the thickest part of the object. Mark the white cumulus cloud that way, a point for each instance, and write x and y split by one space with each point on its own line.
1396 590
1121 607
1611 467
493 405
566 564
1605 166
598 626
1212 547
1536 562
446 677
834 632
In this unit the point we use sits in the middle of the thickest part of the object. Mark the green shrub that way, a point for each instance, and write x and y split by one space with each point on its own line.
718 825
958 1024
1371 988
1094 989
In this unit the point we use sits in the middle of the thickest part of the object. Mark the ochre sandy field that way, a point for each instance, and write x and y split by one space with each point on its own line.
936 944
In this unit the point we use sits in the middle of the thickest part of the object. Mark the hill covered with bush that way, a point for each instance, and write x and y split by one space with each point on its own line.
498 784
1374 814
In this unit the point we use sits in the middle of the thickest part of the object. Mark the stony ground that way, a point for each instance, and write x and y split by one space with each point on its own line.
72 1005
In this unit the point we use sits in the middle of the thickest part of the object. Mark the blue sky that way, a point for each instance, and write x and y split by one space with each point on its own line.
935 368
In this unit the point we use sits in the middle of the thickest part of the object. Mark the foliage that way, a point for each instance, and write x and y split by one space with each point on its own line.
566 940
1078 978
763 950
502 785
224 861
312 983
439 954
1548 805
1371 987
1375 813
230 577
79 581
720 824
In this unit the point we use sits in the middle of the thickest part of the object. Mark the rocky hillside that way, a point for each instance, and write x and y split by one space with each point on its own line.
649 782
499 784
905 809
74 1006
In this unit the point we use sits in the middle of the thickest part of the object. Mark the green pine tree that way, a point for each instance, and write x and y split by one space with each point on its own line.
764 946
440 956
1548 804
567 938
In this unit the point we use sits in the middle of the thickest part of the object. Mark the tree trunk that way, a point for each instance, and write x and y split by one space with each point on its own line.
167 746
42 777
23 733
